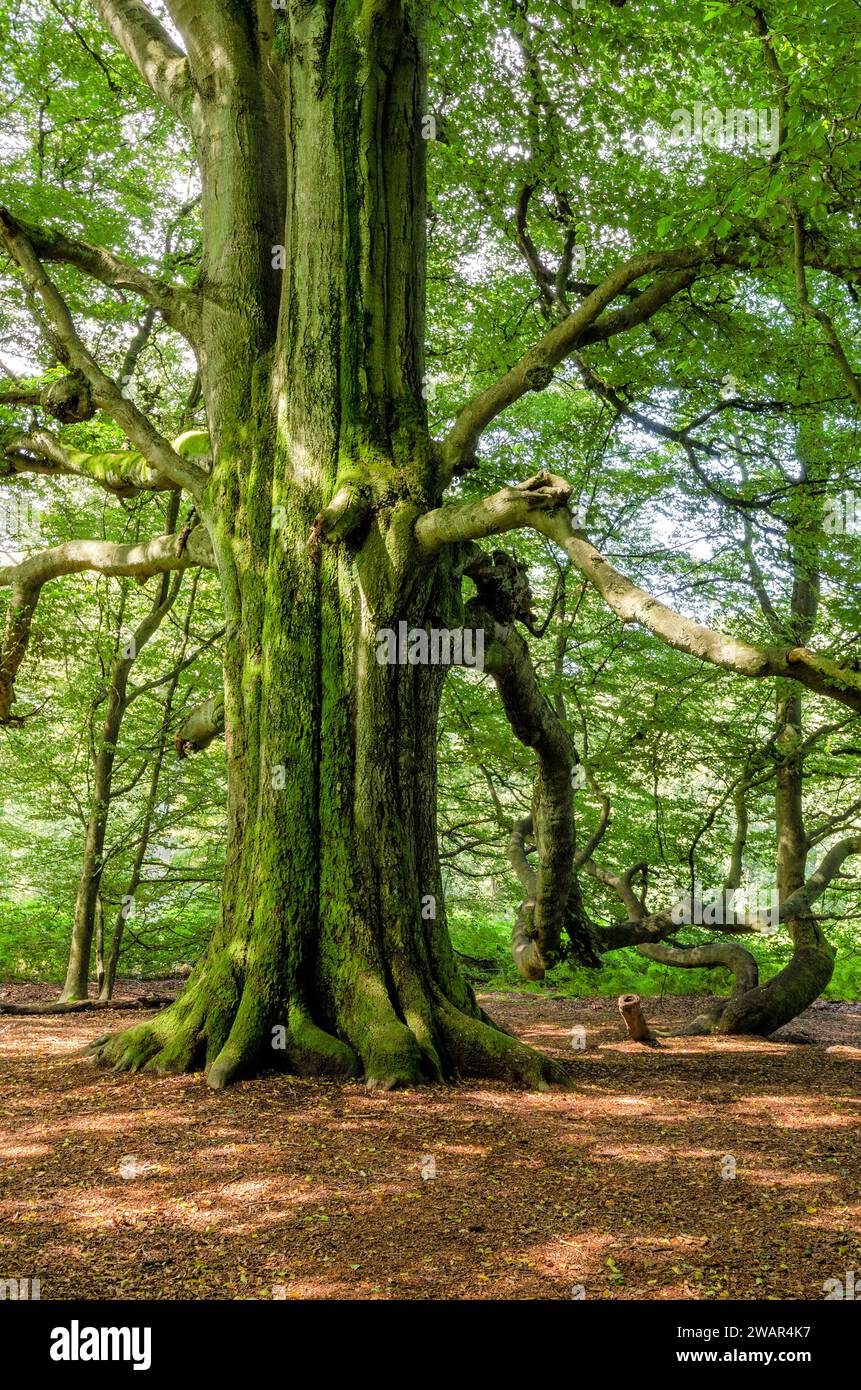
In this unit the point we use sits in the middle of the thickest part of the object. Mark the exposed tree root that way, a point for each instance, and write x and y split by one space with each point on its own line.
391 1054
70 1006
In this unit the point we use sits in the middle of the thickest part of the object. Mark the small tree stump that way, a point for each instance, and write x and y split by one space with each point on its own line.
635 1019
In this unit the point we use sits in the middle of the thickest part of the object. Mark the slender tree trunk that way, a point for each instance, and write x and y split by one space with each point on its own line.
331 954
89 887
100 945
106 985
788 993
767 1007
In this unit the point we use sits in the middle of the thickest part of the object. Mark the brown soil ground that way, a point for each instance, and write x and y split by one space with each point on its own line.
143 1187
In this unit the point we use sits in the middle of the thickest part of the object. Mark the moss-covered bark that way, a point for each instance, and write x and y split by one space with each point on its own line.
332 954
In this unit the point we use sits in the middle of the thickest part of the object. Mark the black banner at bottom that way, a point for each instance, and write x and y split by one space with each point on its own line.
85 1340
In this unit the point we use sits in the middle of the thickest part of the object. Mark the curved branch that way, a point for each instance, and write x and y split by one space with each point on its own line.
540 503
106 394
140 561
742 965
516 854
124 472
13 647
731 957
634 605
622 886
506 510
534 370
536 941
584 855
800 902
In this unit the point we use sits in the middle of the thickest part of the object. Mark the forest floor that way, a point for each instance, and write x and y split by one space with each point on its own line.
144 1187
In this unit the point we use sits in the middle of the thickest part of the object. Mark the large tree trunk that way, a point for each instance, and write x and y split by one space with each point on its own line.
332 954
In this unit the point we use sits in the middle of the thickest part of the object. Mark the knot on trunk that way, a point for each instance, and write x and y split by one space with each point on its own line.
503 586
69 399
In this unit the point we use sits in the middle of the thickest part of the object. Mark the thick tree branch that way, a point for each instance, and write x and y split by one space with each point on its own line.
506 510
800 902
106 394
140 561
536 944
552 897
622 886
540 503
123 472
633 605
706 957
147 44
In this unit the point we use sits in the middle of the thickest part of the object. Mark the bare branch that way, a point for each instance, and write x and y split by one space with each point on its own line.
534 371
634 605
506 510
140 561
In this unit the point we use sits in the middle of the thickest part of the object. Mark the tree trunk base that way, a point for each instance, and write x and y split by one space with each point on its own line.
761 1011
230 1043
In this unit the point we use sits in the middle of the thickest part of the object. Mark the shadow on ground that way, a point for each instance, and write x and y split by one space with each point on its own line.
142 1187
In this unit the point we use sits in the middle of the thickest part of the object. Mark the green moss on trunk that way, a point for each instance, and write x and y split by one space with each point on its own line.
323 947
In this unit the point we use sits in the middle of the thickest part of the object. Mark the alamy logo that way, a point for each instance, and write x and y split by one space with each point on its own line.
841 515
728 907
76 1343
848 1289
462 646
19 1288
734 128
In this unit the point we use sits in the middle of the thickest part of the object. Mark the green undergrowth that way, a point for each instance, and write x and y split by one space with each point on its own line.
34 945
482 943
